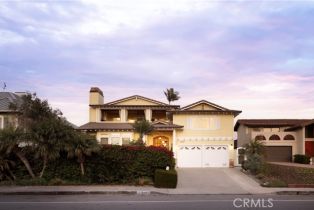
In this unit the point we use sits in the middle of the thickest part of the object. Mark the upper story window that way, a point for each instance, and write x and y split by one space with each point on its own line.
309 131
134 115
110 115
274 137
159 115
257 129
260 138
203 123
289 137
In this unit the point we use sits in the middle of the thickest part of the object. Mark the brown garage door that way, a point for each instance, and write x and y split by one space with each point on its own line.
279 153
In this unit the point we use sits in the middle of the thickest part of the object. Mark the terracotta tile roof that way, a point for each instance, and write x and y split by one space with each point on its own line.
122 126
269 122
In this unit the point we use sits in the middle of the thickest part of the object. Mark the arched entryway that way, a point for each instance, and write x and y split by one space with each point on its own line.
161 141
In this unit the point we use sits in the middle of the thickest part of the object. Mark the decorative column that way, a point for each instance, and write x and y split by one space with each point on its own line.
174 143
148 114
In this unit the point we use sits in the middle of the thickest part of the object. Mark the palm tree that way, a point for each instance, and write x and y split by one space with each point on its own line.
80 147
143 127
171 95
49 138
11 140
255 147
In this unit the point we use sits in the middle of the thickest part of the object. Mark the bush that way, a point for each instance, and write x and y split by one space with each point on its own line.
254 163
110 165
290 174
166 179
303 159
274 183
31 182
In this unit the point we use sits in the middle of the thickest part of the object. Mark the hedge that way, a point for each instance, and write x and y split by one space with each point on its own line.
290 174
165 179
112 164
303 159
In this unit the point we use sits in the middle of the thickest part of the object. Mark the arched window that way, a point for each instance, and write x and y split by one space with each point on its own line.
260 138
289 137
274 137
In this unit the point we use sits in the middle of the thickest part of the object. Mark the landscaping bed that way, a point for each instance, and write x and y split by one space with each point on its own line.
275 175
129 165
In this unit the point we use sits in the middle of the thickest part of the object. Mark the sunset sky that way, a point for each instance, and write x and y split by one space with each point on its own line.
254 56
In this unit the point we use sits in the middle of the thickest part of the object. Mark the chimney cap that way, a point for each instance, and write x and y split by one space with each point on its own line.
96 90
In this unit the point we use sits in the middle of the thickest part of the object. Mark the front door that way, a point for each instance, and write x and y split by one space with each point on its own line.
161 141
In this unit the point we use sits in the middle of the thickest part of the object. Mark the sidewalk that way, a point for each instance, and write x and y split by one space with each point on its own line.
68 190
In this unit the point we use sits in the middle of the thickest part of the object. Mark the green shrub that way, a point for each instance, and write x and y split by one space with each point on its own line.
274 183
254 163
31 182
290 174
111 165
56 181
165 179
303 159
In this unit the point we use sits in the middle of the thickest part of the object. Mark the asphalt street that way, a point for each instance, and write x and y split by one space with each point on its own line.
195 202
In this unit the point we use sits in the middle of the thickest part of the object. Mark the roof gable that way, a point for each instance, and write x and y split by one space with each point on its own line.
136 100
204 105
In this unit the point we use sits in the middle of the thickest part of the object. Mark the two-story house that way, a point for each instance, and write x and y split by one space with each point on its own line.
283 138
200 134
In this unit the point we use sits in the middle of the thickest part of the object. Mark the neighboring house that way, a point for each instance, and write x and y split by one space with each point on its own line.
200 134
283 138
8 116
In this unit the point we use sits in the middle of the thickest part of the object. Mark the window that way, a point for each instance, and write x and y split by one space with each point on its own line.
256 129
115 140
203 123
125 140
274 137
1 122
110 115
260 138
289 137
104 140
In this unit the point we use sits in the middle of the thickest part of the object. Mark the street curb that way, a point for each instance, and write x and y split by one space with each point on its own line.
82 192
295 193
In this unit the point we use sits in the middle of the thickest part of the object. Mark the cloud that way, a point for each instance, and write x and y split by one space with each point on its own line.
255 56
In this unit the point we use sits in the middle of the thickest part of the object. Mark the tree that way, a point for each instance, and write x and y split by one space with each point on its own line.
171 95
254 153
143 127
47 127
49 139
254 147
81 146
5 167
11 140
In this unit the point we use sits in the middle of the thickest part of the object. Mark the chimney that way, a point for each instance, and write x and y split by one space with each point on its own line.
96 96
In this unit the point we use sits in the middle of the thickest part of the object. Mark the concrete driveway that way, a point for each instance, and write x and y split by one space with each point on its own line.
215 181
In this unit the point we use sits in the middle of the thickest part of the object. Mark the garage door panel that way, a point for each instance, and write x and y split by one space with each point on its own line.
192 156
278 153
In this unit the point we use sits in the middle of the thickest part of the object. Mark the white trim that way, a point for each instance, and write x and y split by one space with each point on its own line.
1 122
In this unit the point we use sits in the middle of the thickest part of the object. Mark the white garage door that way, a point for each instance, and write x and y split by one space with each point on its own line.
196 156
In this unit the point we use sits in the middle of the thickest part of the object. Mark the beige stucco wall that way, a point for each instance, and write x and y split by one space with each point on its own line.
225 130
203 107
138 102
95 98
246 134
93 114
